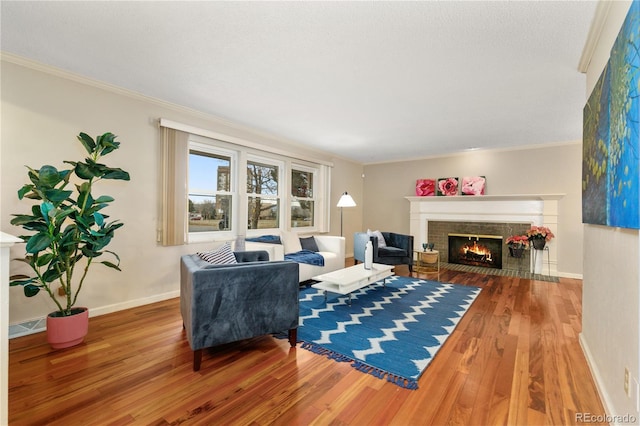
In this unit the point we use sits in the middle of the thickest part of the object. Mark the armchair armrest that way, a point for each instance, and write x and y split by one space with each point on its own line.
360 240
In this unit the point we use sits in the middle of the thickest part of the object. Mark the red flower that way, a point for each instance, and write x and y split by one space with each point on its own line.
425 187
541 232
448 186
518 241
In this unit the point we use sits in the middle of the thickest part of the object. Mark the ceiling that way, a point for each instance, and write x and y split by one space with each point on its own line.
368 81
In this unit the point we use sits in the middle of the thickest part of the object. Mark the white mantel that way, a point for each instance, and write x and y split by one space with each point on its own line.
537 209
6 241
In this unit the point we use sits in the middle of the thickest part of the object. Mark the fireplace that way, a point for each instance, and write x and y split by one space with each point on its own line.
476 250
431 219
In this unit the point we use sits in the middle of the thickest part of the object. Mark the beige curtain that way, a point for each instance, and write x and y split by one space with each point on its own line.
175 159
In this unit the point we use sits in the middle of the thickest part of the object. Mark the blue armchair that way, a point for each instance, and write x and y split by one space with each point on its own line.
226 303
399 249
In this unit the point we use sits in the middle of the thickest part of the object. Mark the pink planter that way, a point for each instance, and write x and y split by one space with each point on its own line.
64 332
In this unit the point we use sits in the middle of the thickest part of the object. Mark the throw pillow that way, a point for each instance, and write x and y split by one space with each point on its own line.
221 256
309 243
376 233
290 242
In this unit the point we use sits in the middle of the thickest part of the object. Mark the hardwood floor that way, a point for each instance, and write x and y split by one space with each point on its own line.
513 359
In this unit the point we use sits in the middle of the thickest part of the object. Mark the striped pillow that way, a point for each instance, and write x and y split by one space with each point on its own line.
222 256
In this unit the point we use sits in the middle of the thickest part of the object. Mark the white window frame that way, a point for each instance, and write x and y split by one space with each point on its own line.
281 197
210 146
316 208
239 154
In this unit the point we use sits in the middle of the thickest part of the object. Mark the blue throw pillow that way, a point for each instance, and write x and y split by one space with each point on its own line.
309 243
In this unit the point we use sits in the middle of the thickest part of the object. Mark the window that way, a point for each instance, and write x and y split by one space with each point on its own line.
210 204
263 201
215 187
302 197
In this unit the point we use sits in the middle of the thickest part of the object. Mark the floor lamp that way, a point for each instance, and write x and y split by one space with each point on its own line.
345 201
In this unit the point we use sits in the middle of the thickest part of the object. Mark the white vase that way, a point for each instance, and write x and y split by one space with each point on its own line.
368 255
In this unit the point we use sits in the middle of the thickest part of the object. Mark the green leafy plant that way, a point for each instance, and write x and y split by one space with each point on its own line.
68 223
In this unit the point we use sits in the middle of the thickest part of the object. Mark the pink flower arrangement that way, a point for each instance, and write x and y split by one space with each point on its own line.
518 241
448 186
473 185
540 232
425 187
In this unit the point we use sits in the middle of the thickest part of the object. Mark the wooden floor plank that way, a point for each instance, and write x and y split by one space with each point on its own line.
513 359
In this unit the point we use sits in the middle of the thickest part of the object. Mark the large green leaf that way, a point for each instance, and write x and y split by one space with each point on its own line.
111 265
115 173
50 275
48 176
44 259
38 242
106 143
84 171
21 219
57 195
20 280
87 141
90 253
61 214
31 290
98 218
103 199
25 190
45 209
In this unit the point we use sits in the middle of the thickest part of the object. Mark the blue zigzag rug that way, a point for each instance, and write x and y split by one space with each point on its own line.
393 331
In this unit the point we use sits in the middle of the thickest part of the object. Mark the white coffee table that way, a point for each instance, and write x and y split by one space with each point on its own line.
347 280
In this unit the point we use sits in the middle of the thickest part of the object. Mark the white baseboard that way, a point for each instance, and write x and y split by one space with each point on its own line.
604 396
570 275
95 312
37 325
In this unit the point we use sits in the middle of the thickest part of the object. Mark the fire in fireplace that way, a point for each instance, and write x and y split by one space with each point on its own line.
476 250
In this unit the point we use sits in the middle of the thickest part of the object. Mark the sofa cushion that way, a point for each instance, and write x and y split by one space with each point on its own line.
309 243
391 252
290 242
221 256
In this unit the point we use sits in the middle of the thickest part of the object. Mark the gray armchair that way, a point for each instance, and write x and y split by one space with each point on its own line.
399 250
226 303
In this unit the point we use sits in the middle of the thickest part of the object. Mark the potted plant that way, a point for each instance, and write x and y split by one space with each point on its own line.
517 245
539 235
69 234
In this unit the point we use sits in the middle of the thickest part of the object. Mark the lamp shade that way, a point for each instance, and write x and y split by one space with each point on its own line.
346 201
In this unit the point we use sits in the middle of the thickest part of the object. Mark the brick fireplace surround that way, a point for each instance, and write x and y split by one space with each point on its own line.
431 219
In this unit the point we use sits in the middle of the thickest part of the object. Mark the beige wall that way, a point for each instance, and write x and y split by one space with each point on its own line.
611 297
41 115
547 170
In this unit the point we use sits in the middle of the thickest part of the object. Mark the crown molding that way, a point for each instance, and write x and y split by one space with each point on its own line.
597 24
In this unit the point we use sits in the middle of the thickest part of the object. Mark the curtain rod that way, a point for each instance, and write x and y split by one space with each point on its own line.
237 141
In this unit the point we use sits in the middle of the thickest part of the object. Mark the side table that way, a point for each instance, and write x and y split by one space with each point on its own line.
426 262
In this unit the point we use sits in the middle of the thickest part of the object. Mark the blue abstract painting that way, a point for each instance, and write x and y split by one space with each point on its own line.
611 136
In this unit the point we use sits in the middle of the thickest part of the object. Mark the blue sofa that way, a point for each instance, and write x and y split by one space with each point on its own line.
226 303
